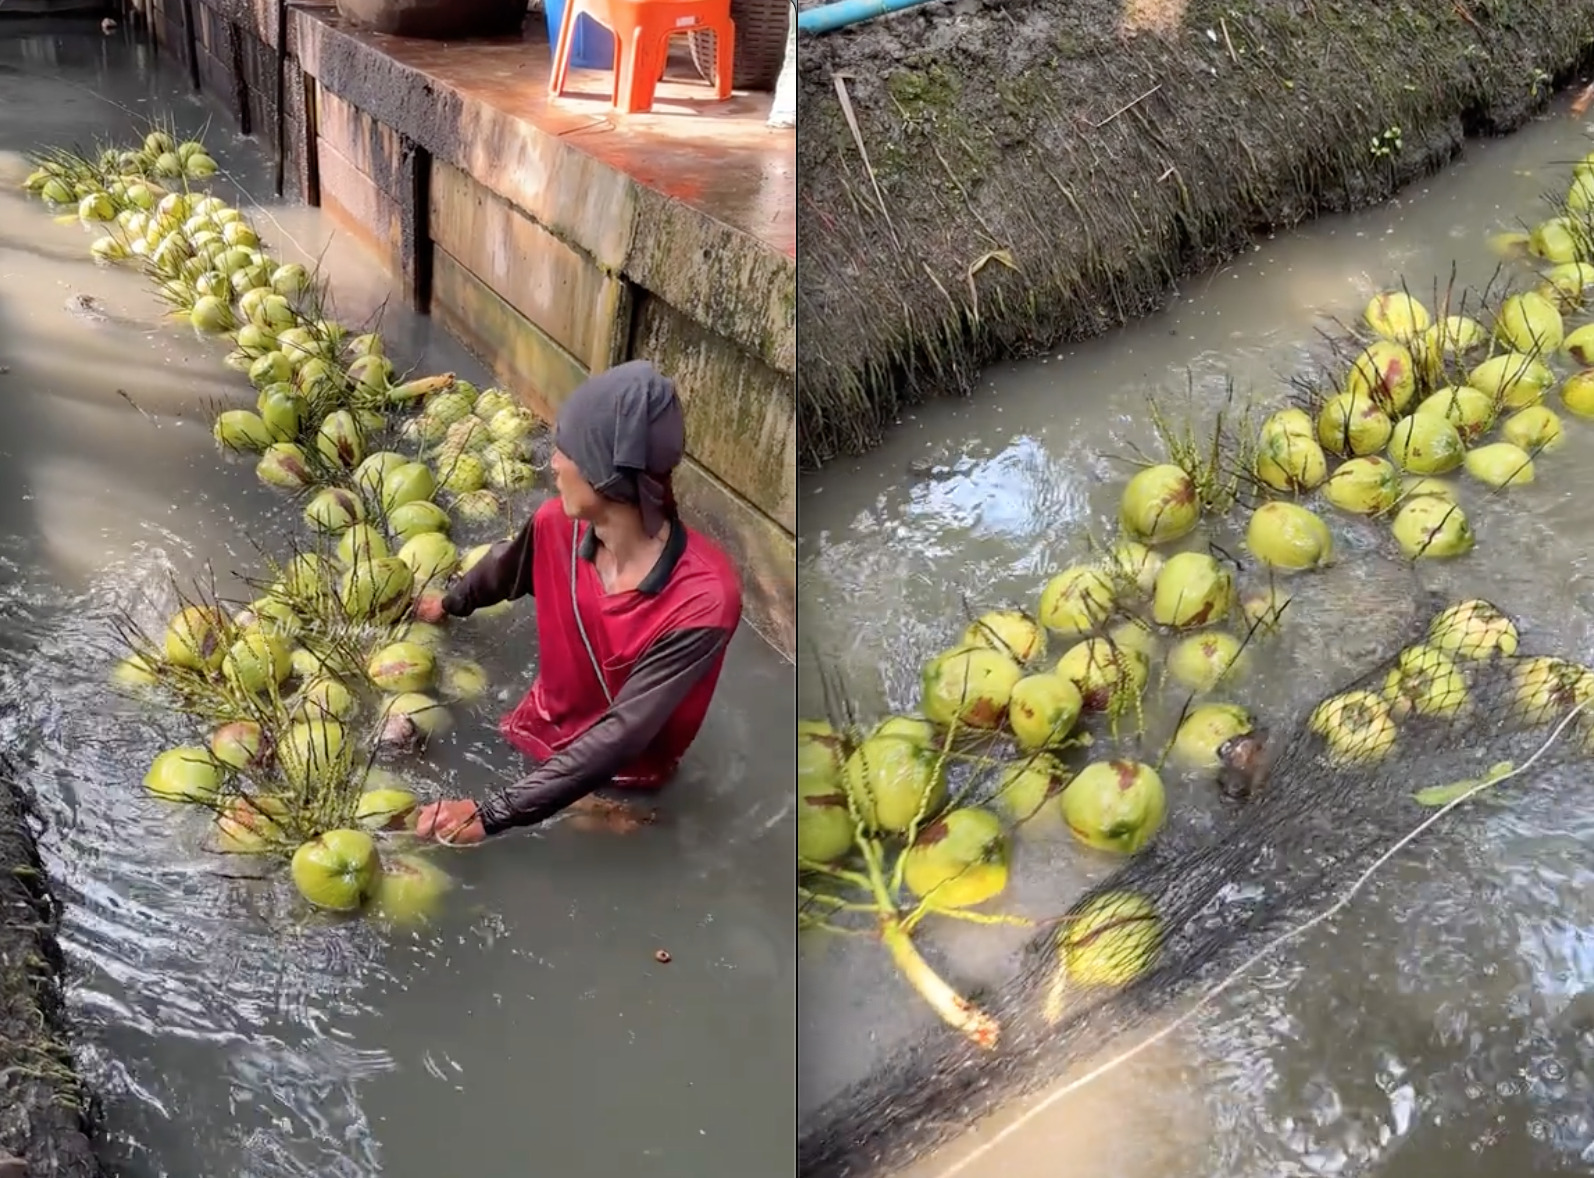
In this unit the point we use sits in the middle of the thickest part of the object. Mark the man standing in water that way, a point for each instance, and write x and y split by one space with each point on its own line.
634 611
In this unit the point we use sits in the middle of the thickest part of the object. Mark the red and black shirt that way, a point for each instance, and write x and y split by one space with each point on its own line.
660 648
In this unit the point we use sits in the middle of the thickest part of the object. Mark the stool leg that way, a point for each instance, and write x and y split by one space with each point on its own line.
626 69
724 59
561 53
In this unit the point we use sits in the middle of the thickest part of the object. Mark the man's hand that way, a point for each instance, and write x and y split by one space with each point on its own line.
429 608
457 823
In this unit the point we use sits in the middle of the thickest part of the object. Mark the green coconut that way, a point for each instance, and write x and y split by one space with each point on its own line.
194 639
1263 609
464 680
1544 688
1011 631
1134 634
252 826
384 809
477 506
1569 282
431 556
1160 505
428 715
1025 788
1470 410
135 672
1043 709
337 870
402 667
412 482
285 465
1135 566
1076 601
1115 805
290 280
1364 486
1204 730
1430 528
1500 464
371 475
303 577
310 750
1386 373
378 590
1473 629
491 402
820 755
1579 345
1426 443
283 413
1426 681
184 774
332 509
1556 240
211 314
1288 461
825 830
325 697
892 783
1199 662
959 860
257 661
1192 590
1107 675
418 518
340 439
474 556
462 474
422 634
1395 315
1535 429
1288 538
968 685
1443 340
1529 323
271 614
1577 394
1353 424
362 544
1412 487
239 429
1110 941
410 890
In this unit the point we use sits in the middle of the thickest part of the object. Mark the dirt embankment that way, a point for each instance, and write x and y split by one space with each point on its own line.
44 1110
1017 173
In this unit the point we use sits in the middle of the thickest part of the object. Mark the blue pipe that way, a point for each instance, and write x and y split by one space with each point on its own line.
829 17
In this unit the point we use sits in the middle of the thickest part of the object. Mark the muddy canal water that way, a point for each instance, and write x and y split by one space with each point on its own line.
530 1029
1440 1025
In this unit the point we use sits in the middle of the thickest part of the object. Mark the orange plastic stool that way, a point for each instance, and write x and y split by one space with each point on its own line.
642 30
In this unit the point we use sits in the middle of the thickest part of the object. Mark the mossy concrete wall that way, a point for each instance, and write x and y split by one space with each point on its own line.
1014 175
548 262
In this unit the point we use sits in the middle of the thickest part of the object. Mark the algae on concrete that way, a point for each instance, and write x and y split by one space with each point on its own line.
1022 175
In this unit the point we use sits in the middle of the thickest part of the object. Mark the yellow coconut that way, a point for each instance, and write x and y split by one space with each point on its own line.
1024 788
1557 240
1580 345
1395 315
1205 730
1135 566
1289 538
1543 689
892 783
1199 662
1577 394
1429 528
1290 422
1427 681
1160 505
1108 676
1192 590
1529 323
1511 244
916 730
1115 805
959 860
1512 380
410 890
1385 372
1356 726
184 774
1500 464
1352 424
1474 629
1570 282
1076 601
1290 462
1009 630
1414 487
1134 634
194 640
1442 340
1426 443
1263 609
969 685
1363 486
1110 941
1043 709
1470 410
1535 429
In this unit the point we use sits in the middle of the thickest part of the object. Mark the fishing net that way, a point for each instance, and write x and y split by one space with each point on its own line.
1458 712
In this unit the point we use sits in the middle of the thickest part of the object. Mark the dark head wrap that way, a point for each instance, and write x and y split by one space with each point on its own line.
625 432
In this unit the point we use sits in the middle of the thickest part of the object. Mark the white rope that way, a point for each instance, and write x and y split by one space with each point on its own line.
1244 967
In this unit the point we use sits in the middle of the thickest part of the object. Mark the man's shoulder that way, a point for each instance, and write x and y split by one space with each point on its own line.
716 583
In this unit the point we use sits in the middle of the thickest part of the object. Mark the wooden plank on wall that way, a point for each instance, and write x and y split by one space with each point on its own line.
352 199
560 290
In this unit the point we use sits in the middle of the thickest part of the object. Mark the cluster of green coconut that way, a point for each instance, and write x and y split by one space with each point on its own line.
118 178
302 687
1421 399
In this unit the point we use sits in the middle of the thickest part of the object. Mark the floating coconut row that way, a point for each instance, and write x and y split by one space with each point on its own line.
287 681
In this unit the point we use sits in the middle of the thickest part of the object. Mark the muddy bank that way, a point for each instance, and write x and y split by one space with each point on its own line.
44 1110
1038 172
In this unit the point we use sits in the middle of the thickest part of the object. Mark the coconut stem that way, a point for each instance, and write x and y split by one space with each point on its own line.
924 908
955 1010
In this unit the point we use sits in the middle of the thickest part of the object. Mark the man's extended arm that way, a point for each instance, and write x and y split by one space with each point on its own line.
504 574
661 679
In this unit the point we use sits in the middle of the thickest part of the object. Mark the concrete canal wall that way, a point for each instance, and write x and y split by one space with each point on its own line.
545 256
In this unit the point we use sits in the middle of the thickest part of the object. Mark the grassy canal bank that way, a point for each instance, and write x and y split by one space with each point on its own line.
983 180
